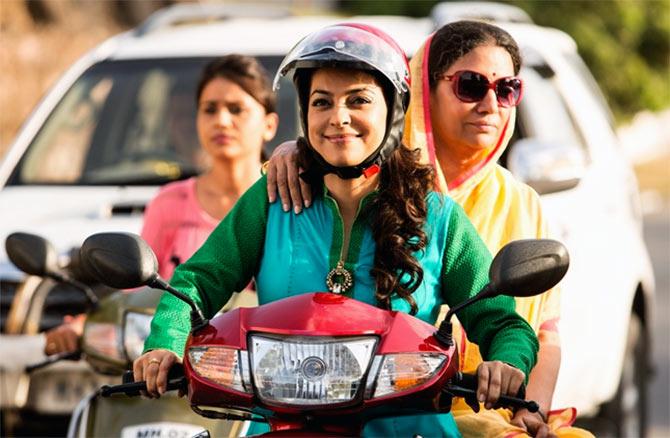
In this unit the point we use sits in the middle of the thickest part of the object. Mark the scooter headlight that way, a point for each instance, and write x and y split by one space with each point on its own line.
401 372
135 331
221 365
310 370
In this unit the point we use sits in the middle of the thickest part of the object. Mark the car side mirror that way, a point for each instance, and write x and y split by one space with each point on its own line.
547 167
119 260
32 254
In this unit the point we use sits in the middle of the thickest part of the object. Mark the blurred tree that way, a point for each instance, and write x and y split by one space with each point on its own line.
131 13
625 43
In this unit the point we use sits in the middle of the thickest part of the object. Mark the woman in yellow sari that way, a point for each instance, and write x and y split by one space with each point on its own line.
461 115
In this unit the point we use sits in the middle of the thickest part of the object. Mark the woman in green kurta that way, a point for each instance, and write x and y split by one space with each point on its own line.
370 234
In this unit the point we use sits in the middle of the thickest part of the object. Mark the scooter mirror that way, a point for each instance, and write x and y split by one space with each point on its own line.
119 260
524 268
521 268
32 254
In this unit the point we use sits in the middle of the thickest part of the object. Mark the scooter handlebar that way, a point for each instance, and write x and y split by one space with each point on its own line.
176 380
71 355
465 385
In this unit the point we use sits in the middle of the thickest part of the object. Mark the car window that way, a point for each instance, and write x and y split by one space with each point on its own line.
130 122
543 113
578 64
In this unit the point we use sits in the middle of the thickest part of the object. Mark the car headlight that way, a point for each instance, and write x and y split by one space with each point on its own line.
309 370
401 372
221 365
135 331
103 339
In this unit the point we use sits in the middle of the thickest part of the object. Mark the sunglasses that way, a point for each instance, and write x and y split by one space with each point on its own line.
470 86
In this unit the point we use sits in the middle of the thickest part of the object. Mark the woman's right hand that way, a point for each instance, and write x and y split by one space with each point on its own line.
153 367
283 176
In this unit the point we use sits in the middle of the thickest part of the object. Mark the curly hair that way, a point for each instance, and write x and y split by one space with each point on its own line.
457 39
399 214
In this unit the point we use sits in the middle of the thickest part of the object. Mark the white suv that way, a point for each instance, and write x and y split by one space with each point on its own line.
101 142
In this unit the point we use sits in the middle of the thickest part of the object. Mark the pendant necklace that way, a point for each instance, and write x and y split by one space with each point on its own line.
339 280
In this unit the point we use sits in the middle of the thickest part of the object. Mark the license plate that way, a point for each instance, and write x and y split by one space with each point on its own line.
161 429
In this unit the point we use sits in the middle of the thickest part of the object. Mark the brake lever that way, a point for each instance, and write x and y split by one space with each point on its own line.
462 386
133 389
176 380
72 355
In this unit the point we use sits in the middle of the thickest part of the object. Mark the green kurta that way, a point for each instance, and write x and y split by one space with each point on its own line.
258 239
290 254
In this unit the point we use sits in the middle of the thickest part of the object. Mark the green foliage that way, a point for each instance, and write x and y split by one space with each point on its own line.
625 43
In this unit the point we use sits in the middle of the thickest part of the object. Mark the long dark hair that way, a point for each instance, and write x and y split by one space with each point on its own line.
399 216
457 39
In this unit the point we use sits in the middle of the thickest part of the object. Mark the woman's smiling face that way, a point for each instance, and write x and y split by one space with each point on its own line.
346 116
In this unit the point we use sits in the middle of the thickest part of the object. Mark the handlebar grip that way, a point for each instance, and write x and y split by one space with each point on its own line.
133 389
517 403
176 380
465 385
130 389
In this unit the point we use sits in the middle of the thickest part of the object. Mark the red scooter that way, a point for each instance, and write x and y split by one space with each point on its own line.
304 363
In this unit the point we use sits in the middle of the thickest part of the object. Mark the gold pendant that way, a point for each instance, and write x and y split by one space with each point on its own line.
339 280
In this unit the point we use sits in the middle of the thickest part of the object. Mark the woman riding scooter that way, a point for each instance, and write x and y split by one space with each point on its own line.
370 234
464 93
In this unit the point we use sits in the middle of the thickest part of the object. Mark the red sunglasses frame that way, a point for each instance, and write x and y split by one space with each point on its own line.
490 86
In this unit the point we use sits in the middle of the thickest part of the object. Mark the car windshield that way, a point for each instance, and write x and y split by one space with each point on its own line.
130 123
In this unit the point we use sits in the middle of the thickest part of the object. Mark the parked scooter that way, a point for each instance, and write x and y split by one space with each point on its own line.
302 374
113 337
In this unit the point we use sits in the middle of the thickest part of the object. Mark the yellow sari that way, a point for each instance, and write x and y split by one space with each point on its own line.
502 209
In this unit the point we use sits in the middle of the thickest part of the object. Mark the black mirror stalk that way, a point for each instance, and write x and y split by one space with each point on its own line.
444 333
198 321
64 278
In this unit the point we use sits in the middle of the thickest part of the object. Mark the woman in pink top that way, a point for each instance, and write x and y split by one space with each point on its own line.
236 116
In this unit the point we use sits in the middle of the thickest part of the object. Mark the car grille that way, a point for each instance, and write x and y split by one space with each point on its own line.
7 291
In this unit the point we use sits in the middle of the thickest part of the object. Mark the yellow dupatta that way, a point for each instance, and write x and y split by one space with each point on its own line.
500 207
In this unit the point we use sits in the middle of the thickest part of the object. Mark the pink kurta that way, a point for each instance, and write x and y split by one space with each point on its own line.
175 225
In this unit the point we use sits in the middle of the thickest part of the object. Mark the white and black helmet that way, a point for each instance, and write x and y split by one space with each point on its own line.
360 47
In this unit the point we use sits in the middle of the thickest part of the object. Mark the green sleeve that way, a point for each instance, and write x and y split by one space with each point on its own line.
492 324
224 264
